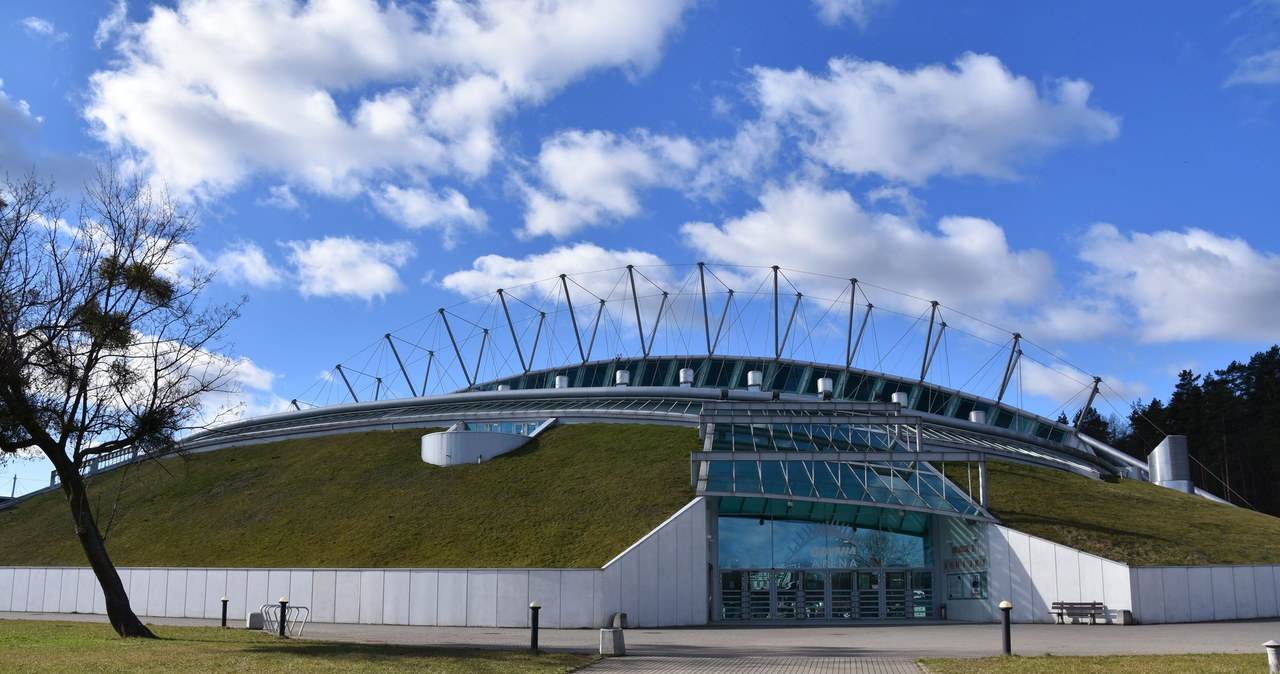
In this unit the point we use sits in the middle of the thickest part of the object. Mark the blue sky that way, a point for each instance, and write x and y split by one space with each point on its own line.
1099 176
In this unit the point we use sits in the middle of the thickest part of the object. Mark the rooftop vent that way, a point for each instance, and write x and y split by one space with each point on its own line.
978 417
825 387
686 376
754 379
562 381
902 398
622 377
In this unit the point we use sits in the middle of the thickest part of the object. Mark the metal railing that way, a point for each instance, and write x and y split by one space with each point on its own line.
295 619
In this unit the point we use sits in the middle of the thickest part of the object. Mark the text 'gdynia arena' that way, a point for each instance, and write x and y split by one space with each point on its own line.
820 492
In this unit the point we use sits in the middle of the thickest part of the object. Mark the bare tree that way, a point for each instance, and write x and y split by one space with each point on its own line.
104 345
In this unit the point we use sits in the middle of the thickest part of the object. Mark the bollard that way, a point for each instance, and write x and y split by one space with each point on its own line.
224 611
1005 608
284 605
1273 656
534 607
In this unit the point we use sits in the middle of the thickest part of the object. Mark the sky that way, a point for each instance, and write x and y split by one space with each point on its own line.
1102 177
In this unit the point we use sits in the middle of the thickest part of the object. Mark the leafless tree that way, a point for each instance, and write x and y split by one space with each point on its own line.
105 345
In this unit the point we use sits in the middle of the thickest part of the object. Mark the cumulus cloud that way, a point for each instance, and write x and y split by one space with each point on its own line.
448 211
1186 285
965 262
972 118
1061 382
347 267
332 95
110 24
490 272
836 12
245 262
595 176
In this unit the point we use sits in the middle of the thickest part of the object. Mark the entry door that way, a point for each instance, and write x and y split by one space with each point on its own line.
816 602
895 594
870 597
842 595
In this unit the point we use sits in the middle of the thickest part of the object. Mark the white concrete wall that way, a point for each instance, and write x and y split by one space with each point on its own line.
1032 573
661 580
1175 594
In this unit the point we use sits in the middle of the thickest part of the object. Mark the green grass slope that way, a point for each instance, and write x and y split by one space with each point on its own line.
1128 521
574 497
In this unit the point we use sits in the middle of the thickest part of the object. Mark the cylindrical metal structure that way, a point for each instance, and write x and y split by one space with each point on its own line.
825 387
754 379
622 377
534 607
562 381
901 397
978 417
686 376
1005 609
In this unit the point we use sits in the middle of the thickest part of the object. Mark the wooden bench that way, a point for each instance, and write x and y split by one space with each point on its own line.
1078 609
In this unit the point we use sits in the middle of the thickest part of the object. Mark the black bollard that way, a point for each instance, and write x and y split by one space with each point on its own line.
533 625
224 611
1005 608
284 606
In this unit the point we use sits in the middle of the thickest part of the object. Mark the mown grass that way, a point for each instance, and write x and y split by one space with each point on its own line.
1129 521
38 646
1207 663
574 497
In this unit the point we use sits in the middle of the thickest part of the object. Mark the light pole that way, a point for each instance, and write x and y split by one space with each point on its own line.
534 607
1005 608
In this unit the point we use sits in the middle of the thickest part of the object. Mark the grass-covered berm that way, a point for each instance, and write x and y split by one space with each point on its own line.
1130 521
574 497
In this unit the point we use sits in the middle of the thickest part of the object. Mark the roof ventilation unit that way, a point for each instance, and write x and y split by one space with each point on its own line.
686 377
978 416
754 379
622 378
562 381
1170 466
504 387
825 387
902 398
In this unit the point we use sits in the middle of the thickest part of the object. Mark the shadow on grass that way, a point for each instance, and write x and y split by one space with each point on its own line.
367 652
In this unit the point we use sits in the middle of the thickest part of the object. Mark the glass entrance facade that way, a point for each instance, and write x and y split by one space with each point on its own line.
785 570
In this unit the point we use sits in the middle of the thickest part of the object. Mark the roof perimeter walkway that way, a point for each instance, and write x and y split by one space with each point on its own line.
880 648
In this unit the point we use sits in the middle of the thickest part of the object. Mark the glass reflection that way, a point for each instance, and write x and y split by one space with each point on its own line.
756 543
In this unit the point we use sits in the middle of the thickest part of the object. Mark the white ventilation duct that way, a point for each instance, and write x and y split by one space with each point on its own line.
1170 465
622 378
825 387
686 376
902 398
754 379
978 417
504 387
562 381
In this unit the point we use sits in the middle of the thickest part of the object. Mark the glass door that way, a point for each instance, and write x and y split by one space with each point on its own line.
842 595
787 595
731 595
895 594
869 599
815 595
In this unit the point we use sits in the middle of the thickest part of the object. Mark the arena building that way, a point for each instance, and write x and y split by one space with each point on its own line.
820 485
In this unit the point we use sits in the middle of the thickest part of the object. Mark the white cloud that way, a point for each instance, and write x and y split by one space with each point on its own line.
1186 285
417 208
346 267
594 176
966 263
110 24
35 25
337 95
1261 68
246 262
282 197
835 12
490 272
973 118
1063 383
19 131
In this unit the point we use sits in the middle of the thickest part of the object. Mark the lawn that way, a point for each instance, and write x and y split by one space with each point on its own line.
39 646
1201 663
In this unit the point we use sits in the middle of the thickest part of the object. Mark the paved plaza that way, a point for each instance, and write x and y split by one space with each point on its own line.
880 648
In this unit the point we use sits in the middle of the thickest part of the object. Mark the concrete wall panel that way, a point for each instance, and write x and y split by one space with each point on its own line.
324 595
215 588
195 597
423 597
238 593
395 597
346 597
544 588
1246 596
278 586
157 591
580 598
482 597
1264 591
451 607
1200 593
371 588
68 580
257 589
1224 594
301 582
1066 563
1177 594
136 585
6 588
21 587
175 592
513 599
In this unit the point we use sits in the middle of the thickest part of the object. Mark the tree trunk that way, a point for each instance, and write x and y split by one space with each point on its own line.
119 612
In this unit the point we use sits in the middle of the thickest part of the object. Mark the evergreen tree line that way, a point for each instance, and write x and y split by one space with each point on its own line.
1231 418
